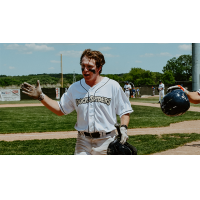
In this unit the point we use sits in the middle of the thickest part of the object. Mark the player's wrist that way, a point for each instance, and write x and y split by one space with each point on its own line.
123 125
41 96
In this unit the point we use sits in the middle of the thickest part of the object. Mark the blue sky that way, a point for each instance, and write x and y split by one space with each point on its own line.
39 58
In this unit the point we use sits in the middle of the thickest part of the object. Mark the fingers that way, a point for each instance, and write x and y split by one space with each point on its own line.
124 138
26 93
27 84
173 87
38 83
27 89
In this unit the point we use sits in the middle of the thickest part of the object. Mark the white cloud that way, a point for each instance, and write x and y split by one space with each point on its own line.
165 54
36 47
104 48
138 61
110 55
147 55
159 54
71 53
29 48
51 68
186 47
11 67
54 61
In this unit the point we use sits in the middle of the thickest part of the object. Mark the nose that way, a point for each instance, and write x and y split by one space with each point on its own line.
84 69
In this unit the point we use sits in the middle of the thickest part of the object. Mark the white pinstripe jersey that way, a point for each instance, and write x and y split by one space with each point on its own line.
96 106
127 87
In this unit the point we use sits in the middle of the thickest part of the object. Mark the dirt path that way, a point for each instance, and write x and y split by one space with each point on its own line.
181 127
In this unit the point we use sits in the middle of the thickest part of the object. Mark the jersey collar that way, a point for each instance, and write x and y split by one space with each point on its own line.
87 87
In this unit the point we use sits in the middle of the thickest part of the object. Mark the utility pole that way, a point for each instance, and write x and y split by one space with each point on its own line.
195 66
74 77
61 73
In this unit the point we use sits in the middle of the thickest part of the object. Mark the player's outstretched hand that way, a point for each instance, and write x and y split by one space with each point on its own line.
31 90
178 87
124 136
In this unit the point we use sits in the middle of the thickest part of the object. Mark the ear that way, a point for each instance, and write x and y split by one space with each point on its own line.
98 70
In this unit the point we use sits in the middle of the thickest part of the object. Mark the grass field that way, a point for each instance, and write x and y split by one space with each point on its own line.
40 119
20 102
145 144
153 100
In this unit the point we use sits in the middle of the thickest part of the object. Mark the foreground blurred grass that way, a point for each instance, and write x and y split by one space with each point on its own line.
145 144
40 119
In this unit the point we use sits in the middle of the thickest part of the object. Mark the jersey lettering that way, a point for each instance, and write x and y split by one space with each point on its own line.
92 98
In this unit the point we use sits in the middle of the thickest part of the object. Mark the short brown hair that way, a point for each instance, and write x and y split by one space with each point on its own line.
96 55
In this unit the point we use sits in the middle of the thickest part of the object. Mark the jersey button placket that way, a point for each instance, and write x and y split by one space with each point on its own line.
91 115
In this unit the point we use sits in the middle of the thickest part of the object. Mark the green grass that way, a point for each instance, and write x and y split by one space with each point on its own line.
153 100
144 116
40 119
145 144
34 119
149 144
20 102
145 100
38 147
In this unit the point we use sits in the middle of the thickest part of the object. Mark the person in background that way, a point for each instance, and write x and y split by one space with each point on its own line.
127 88
138 92
161 88
153 90
133 90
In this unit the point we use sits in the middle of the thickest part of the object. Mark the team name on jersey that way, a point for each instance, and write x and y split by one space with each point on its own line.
92 98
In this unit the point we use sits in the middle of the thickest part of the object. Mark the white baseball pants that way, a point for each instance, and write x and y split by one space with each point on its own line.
93 146
127 94
161 93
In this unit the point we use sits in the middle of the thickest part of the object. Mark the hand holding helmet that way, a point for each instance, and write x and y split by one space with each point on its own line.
178 87
175 102
117 148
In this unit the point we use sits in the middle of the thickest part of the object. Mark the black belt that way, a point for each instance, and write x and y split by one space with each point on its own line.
93 135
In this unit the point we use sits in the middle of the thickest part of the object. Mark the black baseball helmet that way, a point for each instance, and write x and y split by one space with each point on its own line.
175 103
116 148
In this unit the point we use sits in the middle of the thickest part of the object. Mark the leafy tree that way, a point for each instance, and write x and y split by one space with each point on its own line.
181 67
140 76
168 78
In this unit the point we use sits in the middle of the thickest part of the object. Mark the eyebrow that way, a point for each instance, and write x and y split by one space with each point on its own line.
88 65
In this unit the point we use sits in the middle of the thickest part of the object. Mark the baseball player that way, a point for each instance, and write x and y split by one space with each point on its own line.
161 88
194 97
138 91
127 88
133 90
97 100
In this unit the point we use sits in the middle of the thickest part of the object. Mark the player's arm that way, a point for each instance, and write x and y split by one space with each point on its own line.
124 125
52 105
36 93
194 97
125 119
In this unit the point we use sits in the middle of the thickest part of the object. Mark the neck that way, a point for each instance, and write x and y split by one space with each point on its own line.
91 83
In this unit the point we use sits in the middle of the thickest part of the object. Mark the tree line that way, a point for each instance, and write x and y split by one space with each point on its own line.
176 69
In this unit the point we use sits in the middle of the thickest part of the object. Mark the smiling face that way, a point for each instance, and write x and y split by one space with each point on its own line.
89 70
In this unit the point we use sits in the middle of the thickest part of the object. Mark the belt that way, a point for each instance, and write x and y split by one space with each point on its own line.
93 135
